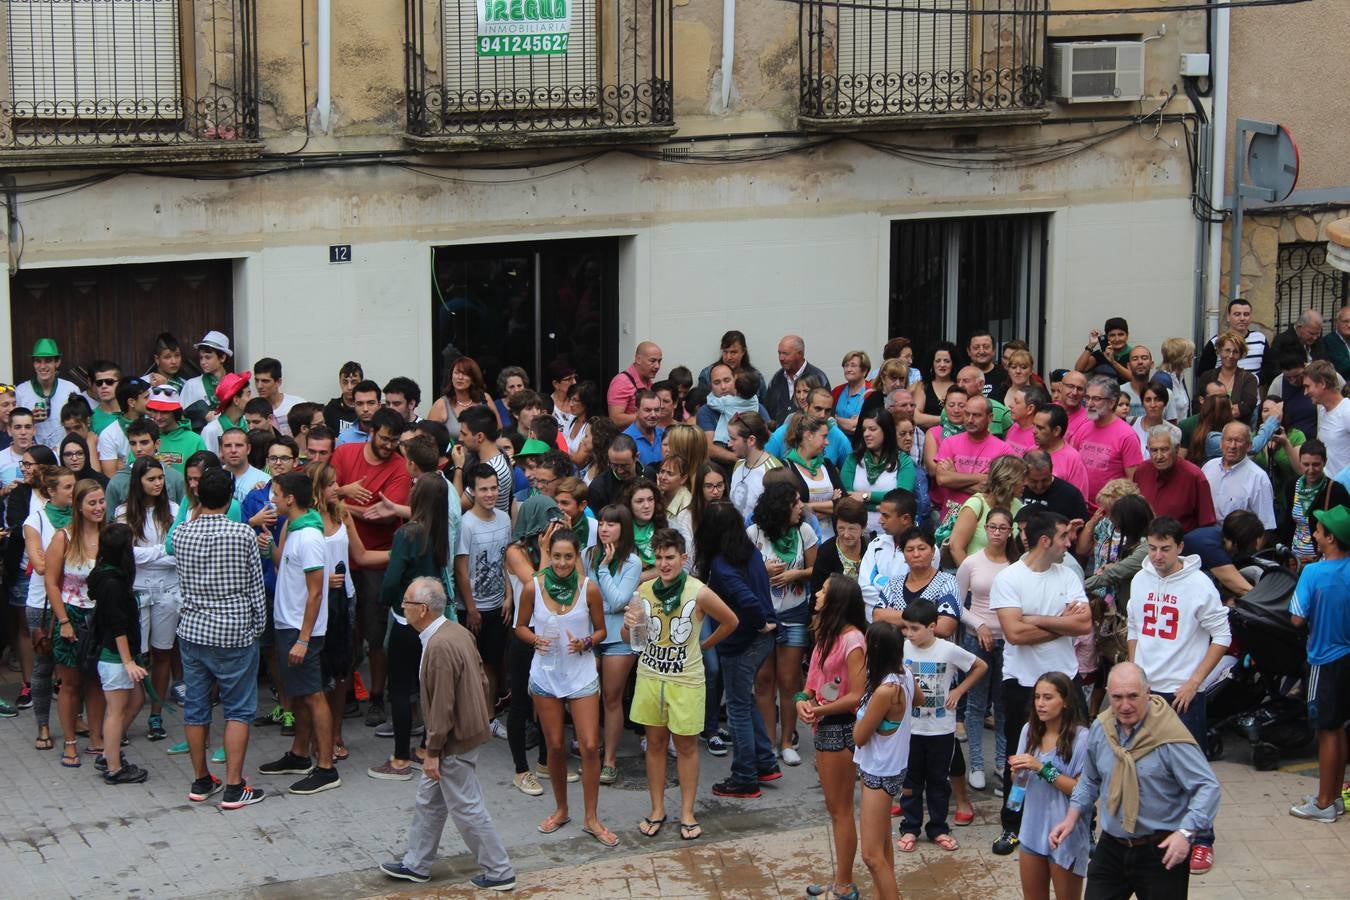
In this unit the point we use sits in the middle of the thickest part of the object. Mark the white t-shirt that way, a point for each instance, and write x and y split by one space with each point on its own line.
10 470
37 585
280 412
304 553
485 543
1333 429
747 483
51 431
935 669
113 443
1037 594
792 595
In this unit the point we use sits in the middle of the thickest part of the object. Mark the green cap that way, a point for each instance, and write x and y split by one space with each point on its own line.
532 447
1336 520
46 348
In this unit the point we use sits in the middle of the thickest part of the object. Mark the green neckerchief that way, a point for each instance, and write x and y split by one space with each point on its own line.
1309 493
227 424
597 556
59 516
669 594
176 381
642 536
949 429
209 385
582 529
875 466
308 519
813 466
37 388
562 590
785 547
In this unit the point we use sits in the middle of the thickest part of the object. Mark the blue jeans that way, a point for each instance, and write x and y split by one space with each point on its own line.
234 669
977 701
751 750
1196 720
712 679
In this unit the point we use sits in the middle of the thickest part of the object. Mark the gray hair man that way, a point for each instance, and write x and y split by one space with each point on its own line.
1151 810
456 714
1046 491
1236 481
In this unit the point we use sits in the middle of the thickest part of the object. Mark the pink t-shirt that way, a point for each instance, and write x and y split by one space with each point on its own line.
973 457
830 676
1107 451
1068 465
1076 420
624 386
1019 439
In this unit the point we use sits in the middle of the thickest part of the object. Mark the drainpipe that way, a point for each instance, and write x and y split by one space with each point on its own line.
1218 169
323 91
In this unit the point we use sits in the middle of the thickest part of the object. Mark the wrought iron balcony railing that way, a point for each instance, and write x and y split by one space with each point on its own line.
95 77
504 71
868 60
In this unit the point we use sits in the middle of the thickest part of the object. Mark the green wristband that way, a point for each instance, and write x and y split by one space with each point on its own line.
802 695
1049 773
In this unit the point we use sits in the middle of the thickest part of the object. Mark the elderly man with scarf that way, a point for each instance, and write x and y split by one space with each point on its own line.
1160 792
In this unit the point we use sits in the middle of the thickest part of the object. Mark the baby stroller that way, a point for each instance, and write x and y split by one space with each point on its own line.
1262 696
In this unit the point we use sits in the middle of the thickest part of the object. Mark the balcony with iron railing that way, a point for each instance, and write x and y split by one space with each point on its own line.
128 80
867 64
511 73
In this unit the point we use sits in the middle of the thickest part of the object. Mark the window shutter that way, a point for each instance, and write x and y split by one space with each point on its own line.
487 83
874 44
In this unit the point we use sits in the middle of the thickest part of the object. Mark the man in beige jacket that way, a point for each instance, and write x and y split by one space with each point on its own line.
454 708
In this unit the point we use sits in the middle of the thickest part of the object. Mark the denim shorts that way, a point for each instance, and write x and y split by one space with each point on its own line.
18 592
589 690
234 669
114 676
794 626
615 648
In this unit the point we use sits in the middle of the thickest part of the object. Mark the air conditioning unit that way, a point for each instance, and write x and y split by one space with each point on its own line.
1097 71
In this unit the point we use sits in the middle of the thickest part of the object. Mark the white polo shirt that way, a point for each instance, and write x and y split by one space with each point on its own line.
304 552
1244 486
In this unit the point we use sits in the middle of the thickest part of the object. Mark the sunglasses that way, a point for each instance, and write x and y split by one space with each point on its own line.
105 382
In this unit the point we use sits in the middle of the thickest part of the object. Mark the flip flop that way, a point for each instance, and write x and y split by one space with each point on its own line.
653 824
550 825
686 827
907 843
964 818
946 842
71 762
604 836
43 743
340 752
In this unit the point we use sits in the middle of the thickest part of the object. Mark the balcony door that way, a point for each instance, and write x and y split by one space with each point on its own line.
526 305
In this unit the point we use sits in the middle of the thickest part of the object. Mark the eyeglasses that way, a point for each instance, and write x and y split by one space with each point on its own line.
542 482
998 528
105 382
280 459
67 454
1098 398
26 464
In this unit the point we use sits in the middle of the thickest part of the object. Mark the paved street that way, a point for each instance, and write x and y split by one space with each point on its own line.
65 833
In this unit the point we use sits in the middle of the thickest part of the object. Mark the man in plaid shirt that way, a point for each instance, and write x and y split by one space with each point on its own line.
224 611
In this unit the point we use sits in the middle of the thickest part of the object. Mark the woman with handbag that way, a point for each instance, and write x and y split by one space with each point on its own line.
70 559
45 485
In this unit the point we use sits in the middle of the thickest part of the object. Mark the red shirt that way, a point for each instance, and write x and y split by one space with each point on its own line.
1181 492
389 478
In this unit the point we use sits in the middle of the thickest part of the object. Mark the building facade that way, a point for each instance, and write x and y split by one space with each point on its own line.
368 179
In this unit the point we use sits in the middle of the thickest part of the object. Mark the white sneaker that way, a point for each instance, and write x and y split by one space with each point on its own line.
790 756
498 729
976 780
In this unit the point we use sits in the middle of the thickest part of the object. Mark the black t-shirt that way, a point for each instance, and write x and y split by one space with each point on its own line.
1062 498
996 382
338 416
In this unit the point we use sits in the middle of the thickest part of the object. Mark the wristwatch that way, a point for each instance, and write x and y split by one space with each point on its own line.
1187 834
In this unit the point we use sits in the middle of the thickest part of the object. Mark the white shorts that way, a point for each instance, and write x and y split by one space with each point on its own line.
114 677
159 620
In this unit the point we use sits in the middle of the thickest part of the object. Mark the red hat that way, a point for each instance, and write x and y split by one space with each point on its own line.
230 386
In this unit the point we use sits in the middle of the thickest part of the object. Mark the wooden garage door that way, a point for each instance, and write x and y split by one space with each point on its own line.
116 312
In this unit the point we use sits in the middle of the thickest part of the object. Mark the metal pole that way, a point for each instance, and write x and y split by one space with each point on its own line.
1235 231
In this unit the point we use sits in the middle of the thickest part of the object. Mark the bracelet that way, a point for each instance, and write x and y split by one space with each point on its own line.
62 621
803 695
298 641
1049 773
587 643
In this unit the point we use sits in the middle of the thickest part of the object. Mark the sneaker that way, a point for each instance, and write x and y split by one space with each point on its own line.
266 719
359 688
961 732
25 698
375 713
178 749
496 727
609 774
289 764
725 736
526 783
387 771
976 780
773 773
717 746
385 729
493 884
287 723
128 774
572 777
403 873
737 789
7 711
1202 859
1007 842
156 731
204 787
101 763
317 781
790 756
237 796
179 693
219 756
352 710
1310 810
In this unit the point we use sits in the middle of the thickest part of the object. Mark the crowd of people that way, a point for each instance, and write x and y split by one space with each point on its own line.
722 562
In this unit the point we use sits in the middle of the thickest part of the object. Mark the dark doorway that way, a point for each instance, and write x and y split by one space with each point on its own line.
527 305
116 312
950 277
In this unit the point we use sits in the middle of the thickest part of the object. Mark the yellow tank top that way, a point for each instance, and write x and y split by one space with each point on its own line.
672 652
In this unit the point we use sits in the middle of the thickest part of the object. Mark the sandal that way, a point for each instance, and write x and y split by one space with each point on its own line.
340 752
964 818
946 842
650 827
603 835
43 742
550 825
687 827
70 762
907 843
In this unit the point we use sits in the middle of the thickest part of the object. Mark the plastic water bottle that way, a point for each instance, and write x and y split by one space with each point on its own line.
637 634
1017 794
550 656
